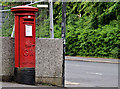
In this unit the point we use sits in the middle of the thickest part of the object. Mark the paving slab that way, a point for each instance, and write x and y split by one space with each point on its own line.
12 84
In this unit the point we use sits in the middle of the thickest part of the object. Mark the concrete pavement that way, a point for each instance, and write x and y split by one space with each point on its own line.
89 59
13 84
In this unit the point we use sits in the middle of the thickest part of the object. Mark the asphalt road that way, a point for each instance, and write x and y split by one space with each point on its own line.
89 74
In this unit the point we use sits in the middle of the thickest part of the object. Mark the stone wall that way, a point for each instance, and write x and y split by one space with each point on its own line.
49 60
7 59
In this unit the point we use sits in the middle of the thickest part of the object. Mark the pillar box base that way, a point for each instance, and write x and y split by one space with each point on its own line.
25 75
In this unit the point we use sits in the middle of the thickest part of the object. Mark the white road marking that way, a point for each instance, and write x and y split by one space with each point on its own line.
71 83
94 73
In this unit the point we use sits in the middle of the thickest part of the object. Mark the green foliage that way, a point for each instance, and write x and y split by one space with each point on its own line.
7 26
42 20
42 29
101 42
42 23
96 33
57 31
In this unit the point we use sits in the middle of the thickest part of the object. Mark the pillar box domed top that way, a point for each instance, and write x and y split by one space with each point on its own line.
24 9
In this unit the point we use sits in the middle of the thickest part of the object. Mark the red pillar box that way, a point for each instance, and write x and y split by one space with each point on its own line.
24 44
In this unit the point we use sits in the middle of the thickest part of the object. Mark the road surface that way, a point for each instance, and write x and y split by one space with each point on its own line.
89 74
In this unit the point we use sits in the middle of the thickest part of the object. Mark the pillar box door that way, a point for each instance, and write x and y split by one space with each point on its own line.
24 44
